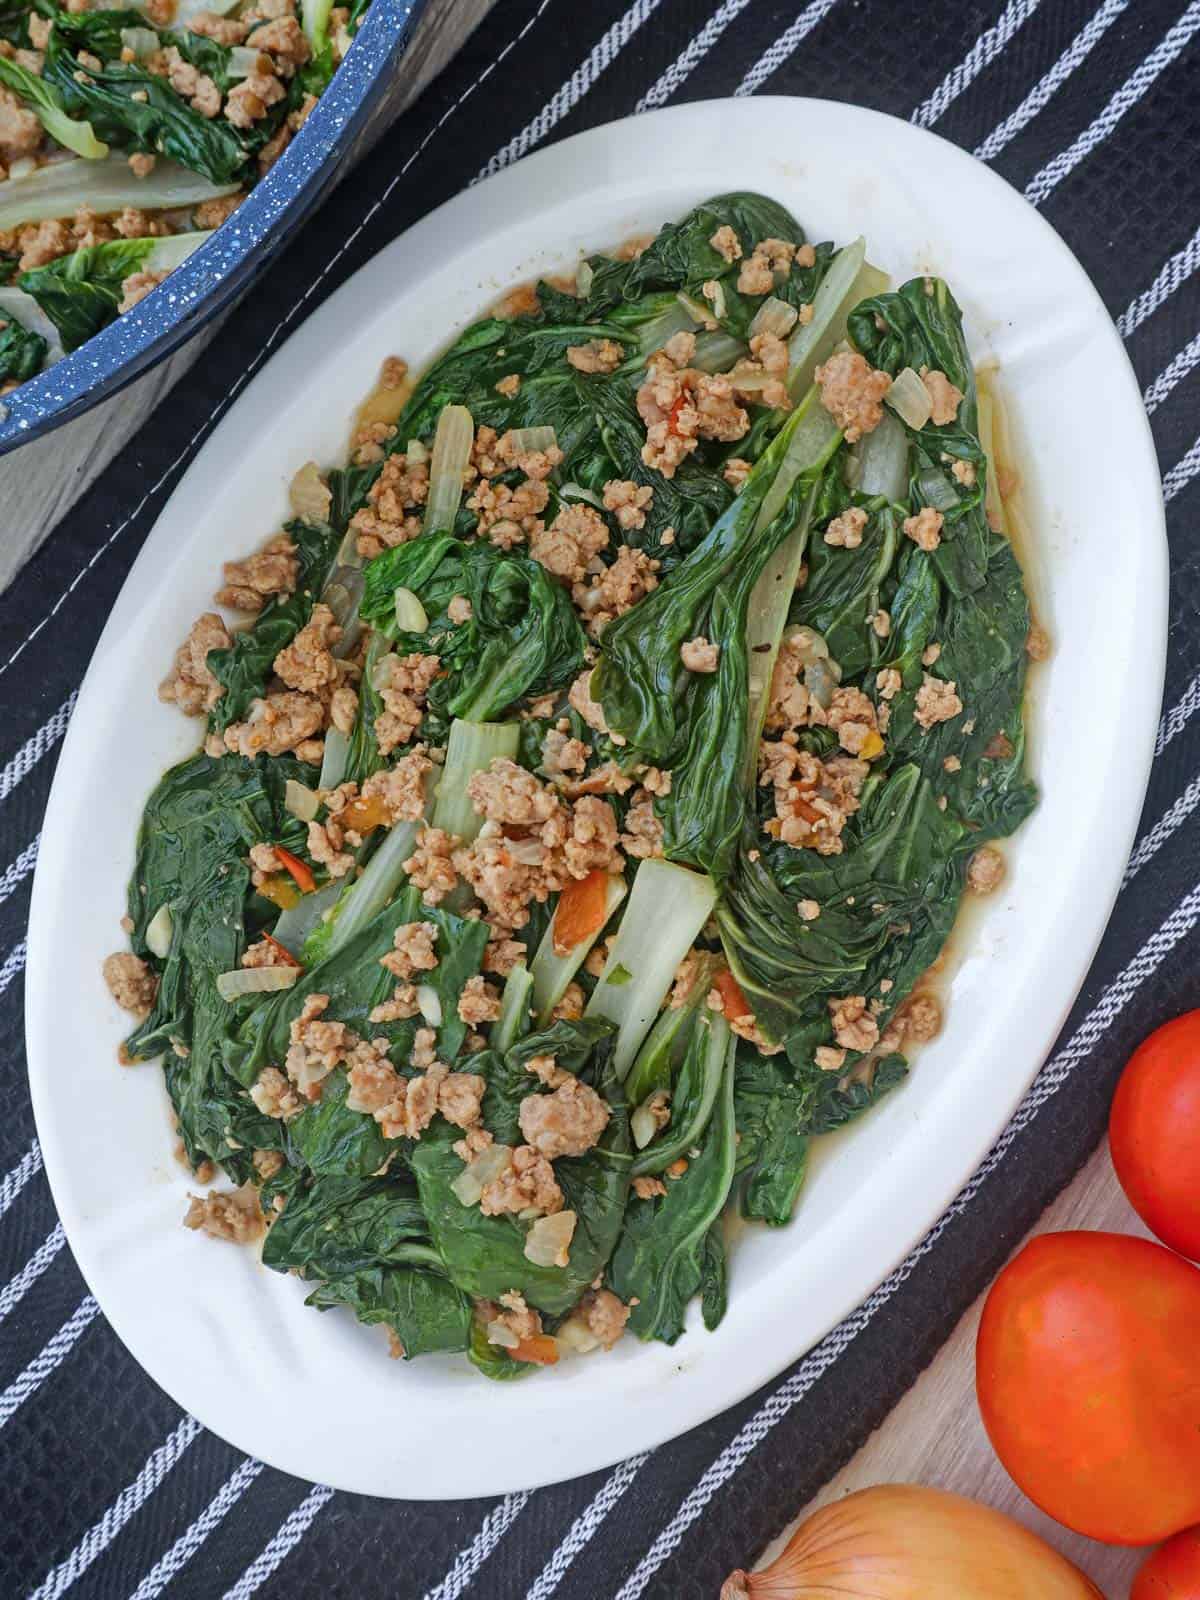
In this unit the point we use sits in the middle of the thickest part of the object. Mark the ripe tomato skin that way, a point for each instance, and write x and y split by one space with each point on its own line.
1088 1377
1154 1133
1172 1572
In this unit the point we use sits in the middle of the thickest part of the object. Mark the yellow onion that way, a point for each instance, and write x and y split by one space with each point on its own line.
899 1541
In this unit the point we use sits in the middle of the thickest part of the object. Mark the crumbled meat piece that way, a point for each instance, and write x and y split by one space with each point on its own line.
727 244
771 353
274 148
679 408
888 683
266 953
546 1070
393 372
680 348
881 624
828 1058
922 1019
628 501
614 589
736 471
813 798
606 779
852 392
460 1097
570 1007
581 841
597 355
846 531
643 835
605 1315
566 547
510 387
478 1002
473 1143
506 793
274 1096
854 1027
403 692
647 1188
40 242
698 655
1037 643
325 840
502 953
519 1319
136 287
225 30
925 529
197 88
986 870
135 224
579 697
316 1046
402 1004
460 609
283 39
566 1122
535 464
965 473
936 701
951 764
369 440
307 663
930 654
787 704
343 709
526 1184
233 1214
132 984
191 685
209 213
265 862
944 398
755 276
562 754
852 717
677 1168
430 867
250 99
808 910
277 724
509 516
401 788
267 1163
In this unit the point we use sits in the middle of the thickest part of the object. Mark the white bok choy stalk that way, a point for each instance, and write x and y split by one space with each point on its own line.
451 456
849 280
361 901
60 188
167 254
667 909
514 1009
553 972
880 460
45 104
471 747
316 23
255 980
23 308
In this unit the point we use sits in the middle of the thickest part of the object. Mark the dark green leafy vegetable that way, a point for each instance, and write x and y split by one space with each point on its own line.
80 292
345 1225
21 351
422 1308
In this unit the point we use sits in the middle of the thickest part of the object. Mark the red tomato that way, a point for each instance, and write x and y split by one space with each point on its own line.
1172 1573
1087 1368
1154 1133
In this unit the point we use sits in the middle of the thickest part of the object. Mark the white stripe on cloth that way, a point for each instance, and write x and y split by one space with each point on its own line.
1182 473
690 58
289 1535
29 1165
130 1500
1173 373
574 89
49 1359
1176 719
14 965
1174 273
1171 820
585 1526
35 747
1041 93
469 1559
17 871
772 59
1051 1078
982 53
1043 183
185 1547
15 1290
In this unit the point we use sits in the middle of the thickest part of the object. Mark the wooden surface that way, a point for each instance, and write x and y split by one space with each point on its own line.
935 1436
40 481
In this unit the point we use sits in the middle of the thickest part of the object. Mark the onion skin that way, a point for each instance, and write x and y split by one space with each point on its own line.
900 1541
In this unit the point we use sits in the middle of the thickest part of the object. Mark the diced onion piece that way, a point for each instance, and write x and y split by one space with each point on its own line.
451 457
381 672
301 801
717 351
820 681
526 440
415 453
430 1003
309 494
23 167
583 279
500 1333
774 316
750 382
909 398
881 458
342 593
487 1166
158 932
142 41
575 1336
410 613
242 61
333 762
255 980
643 1124
549 1240
576 491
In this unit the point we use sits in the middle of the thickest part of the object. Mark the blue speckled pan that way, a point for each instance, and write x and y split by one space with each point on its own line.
222 269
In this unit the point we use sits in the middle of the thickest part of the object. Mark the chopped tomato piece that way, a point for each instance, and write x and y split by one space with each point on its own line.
279 890
299 871
673 414
809 813
581 911
734 1004
540 1349
363 815
289 959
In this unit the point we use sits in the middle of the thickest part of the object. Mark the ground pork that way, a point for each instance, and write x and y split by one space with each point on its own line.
401 788
698 655
401 1004
986 870
190 685
562 754
921 1019
581 840
132 984
770 256
846 531
535 464
503 952
210 213
643 834
736 471
231 1214
403 688
614 589
276 724
325 840
579 697
527 1183
829 1058
852 392
1037 643
854 1027
430 867
196 87
274 1095
937 701
225 30
605 1315
627 501
283 39
852 717
317 1046
566 547
964 473
726 243
944 398
679 407
250 99
40 242
507 793
136 287
478 1002
135 224
267 952
570 1007
509 516
925 529
566 1122
510 386
648 1188
307 663
518 1321
788 701
597 355
814 799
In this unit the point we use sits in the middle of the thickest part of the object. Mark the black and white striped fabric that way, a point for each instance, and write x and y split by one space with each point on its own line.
1090 107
